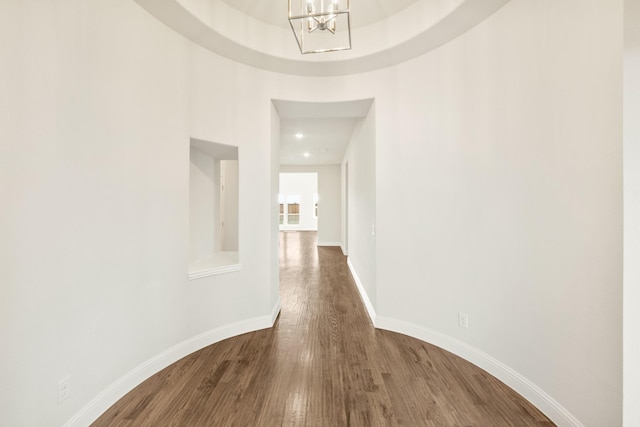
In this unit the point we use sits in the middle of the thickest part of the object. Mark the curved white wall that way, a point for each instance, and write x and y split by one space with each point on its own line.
95 238
516 200
510 179
501 148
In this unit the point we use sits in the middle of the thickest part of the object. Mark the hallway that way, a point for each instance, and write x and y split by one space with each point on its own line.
322 364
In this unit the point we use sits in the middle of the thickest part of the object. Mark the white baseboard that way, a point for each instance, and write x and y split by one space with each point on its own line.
344 251
550 407
275 312
328 243
96 407
363 294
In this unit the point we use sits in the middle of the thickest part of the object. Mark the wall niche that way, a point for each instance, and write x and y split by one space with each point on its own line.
213 209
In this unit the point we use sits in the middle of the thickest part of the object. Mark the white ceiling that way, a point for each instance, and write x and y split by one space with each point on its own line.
365 12
219 151
326 127
409 28
325 139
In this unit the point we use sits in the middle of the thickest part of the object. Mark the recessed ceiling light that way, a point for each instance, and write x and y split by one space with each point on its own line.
306 154
299 135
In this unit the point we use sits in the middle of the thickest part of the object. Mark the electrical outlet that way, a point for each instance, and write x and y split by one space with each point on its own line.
63 389
463 320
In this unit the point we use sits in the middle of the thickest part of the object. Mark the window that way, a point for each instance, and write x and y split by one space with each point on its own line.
281 203
293 210
293 214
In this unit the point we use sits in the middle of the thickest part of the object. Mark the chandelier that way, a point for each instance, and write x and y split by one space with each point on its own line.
321 25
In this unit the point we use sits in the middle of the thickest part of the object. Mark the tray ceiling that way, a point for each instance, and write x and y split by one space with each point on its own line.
364 12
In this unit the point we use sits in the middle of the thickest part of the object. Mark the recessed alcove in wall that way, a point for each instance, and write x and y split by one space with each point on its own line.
213 209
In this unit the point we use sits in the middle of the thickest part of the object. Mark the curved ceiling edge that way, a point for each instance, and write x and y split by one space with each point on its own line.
466 16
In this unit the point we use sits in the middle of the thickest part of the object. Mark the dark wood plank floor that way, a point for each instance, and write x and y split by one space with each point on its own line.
322 364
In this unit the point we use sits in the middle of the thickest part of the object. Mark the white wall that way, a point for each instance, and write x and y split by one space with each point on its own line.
274 126
95 205
360 158
304 186
502 150
204 205
229 200
329 203
631 213
95 194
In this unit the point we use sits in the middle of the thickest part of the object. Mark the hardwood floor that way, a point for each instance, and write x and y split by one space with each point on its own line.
322 364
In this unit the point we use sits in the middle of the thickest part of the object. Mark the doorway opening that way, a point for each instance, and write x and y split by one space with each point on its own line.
298 201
